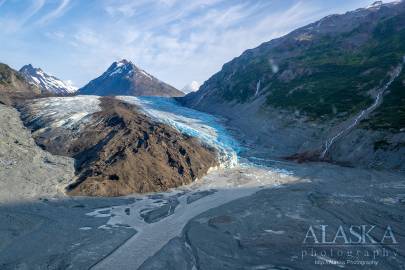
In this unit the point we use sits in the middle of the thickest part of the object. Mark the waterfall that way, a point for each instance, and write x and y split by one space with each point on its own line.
364 113
257 88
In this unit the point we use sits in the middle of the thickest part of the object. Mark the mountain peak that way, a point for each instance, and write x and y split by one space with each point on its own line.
46 82
124 78
123 62
29 67
120 68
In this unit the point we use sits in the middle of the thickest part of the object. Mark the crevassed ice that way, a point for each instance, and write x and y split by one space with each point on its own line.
191 122
66 112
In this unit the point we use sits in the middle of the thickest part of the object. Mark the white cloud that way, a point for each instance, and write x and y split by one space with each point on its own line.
57 12
178 41
15 23
190 47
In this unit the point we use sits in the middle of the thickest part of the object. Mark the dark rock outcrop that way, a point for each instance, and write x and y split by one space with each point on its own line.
13 86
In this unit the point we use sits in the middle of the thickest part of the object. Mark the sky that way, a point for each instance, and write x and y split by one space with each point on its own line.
177 41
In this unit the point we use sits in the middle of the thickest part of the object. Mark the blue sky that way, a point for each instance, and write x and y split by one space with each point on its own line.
177 41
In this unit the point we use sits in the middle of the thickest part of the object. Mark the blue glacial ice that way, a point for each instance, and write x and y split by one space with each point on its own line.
190 122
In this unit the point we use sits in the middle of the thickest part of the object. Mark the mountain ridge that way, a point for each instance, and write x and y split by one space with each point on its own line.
292 94
46 82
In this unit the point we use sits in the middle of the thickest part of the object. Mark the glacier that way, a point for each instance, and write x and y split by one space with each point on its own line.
65 112
206 127
72 112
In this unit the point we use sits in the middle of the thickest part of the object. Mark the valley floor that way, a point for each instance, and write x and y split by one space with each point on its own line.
240 218
267 229
249 216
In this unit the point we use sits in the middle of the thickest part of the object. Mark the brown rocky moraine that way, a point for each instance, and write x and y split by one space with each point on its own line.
123 151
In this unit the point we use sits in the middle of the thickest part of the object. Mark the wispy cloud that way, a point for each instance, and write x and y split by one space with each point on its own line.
13 23
177 40
57 12
194 39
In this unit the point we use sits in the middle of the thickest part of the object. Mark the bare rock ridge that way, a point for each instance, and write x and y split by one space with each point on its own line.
13 85
121 151
46 82
124 78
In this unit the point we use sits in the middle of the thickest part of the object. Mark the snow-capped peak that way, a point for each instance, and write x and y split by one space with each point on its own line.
125 78
122 67
126 68
46 82
122 62
378 4
191 87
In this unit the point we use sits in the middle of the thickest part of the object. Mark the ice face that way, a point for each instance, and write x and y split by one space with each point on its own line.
191 122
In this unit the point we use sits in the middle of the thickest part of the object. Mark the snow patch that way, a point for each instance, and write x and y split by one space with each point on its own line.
116 71
145 74
376 4
191 87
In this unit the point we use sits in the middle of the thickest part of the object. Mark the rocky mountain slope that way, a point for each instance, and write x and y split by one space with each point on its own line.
295 93
124 78
46 82
27 171
14 85
117 150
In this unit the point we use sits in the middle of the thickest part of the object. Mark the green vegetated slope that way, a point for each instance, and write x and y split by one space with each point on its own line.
391 113
338 78
326 70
